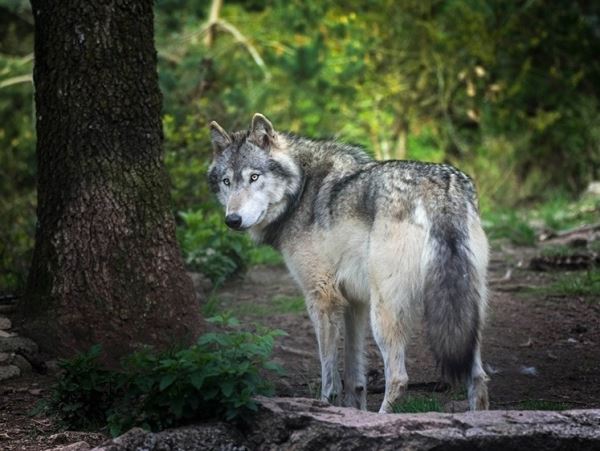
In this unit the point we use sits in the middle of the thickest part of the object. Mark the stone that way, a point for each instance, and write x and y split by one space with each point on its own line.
52 366
309 425
5 323
19 345
4 357
9 371
214 436
22 363
6 334
77 446
202 284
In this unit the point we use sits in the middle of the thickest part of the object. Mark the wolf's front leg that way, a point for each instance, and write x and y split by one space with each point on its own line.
327 328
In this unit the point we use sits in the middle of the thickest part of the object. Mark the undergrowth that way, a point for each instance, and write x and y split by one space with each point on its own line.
541 404
210 247
215 378
416 404
584 283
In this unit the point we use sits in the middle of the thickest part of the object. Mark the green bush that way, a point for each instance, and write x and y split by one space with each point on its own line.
508 225
84 392
215 378
210 247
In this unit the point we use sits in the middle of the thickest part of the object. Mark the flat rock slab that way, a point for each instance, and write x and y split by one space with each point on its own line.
18 344
9 371
5 323
306 424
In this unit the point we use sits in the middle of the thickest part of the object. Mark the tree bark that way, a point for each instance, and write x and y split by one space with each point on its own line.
106 266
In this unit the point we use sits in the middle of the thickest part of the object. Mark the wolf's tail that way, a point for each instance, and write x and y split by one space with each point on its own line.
452 299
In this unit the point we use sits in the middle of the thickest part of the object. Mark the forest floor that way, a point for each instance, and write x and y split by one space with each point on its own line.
541 348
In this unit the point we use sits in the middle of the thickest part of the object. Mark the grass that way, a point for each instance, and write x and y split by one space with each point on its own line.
510 226
212 306
577 284
561 213
417 404
279 305
541 404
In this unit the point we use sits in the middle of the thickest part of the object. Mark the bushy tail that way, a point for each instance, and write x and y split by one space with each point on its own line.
452 298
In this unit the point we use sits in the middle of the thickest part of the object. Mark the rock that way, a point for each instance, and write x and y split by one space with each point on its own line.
9 371
5 323
202 284
5 334
214 436
19 345
593 189
77 446
22 363
305 425
4 357
52 366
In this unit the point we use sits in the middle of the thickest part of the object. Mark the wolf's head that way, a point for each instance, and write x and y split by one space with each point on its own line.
252 174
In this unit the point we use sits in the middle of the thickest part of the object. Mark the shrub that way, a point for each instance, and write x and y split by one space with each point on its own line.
84 392
210 247
215 378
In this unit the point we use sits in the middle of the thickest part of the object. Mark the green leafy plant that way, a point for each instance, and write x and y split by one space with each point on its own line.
508 225
208 246
215 378
84 392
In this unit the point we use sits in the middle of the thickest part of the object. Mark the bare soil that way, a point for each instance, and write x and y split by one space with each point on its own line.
537 346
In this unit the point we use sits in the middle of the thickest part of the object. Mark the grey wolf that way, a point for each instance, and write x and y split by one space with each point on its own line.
364 239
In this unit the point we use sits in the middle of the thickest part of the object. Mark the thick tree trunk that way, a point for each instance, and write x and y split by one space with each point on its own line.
106 266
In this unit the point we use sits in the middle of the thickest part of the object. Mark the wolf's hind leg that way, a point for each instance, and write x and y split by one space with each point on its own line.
355 383
390 332
327 327
477 385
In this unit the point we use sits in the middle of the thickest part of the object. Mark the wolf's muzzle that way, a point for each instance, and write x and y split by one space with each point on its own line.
233 221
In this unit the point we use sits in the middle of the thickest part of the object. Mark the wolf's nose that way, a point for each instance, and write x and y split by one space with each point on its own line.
233 220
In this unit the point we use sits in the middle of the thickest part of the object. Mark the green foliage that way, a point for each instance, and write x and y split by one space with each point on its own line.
563 213
416 404
508 225
264 255
215 378
84 392
17 171
507 91
541 404
586 283
210 247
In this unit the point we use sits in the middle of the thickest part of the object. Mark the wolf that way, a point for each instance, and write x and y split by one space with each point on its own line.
365 240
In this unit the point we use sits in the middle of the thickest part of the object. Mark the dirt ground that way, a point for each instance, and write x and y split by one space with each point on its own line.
537 347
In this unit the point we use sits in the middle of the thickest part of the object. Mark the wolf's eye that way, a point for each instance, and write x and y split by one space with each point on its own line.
226 182
254 177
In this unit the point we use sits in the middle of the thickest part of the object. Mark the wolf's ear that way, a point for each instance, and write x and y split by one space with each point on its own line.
262 132
219 137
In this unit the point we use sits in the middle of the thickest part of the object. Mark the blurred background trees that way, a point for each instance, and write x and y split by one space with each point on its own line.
507 91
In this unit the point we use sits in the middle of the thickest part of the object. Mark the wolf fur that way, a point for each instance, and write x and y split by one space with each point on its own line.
364 239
